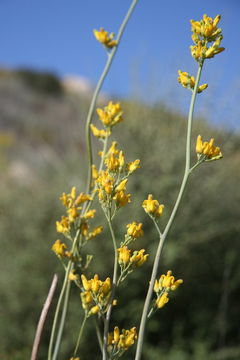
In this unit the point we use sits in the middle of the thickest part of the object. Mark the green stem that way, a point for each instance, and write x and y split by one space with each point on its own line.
97 90
163 236
114 284
99 336
57 312
63 317
80 335
65 291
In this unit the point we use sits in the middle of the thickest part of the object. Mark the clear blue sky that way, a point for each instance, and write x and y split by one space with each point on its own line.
56 35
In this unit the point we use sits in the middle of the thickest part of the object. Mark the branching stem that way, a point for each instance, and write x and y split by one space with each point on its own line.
163 236
114 284
97 90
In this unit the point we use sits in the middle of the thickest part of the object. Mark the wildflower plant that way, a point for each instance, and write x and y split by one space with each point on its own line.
107 184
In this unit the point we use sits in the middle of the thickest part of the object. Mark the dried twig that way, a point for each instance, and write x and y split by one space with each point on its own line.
43 317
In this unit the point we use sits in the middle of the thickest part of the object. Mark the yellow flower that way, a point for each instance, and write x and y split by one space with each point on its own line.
86 283
206 27
89 214
95 283
152 207
214 49
132 166
102 134
87 299
68 199
59 248
188 81
207 149
116 334
95 232
135 229
124 255
104 38
63 226
138 258
162 300
74 358
94 172
82 198
121 186
106 182
106 286
113 149
205 32
202 52
122 340
111 114
121 198
112 162
121 159
94 310
72 213
72 276
167 282
96 294
130 336
84 229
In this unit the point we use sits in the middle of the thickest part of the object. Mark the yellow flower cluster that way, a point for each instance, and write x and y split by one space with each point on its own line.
59 248
110 115
95 295
111 183
204 32
152 207
163 286
115 159
104 38
71 202
127 258
101 134
188 81
123 340
206 150
135 230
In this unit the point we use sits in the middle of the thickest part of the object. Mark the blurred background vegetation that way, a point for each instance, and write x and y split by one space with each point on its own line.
42 154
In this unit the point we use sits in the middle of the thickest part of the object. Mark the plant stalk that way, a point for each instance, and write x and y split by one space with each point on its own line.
97 90
43 317
80 335
114 284
163 236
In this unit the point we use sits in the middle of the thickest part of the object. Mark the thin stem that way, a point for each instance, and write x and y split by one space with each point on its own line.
163 236
114 284
190 118
97 90
63 317
57 312
43 317
80 335
65 291
99 336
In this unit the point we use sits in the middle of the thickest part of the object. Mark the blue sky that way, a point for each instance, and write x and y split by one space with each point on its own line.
56 35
